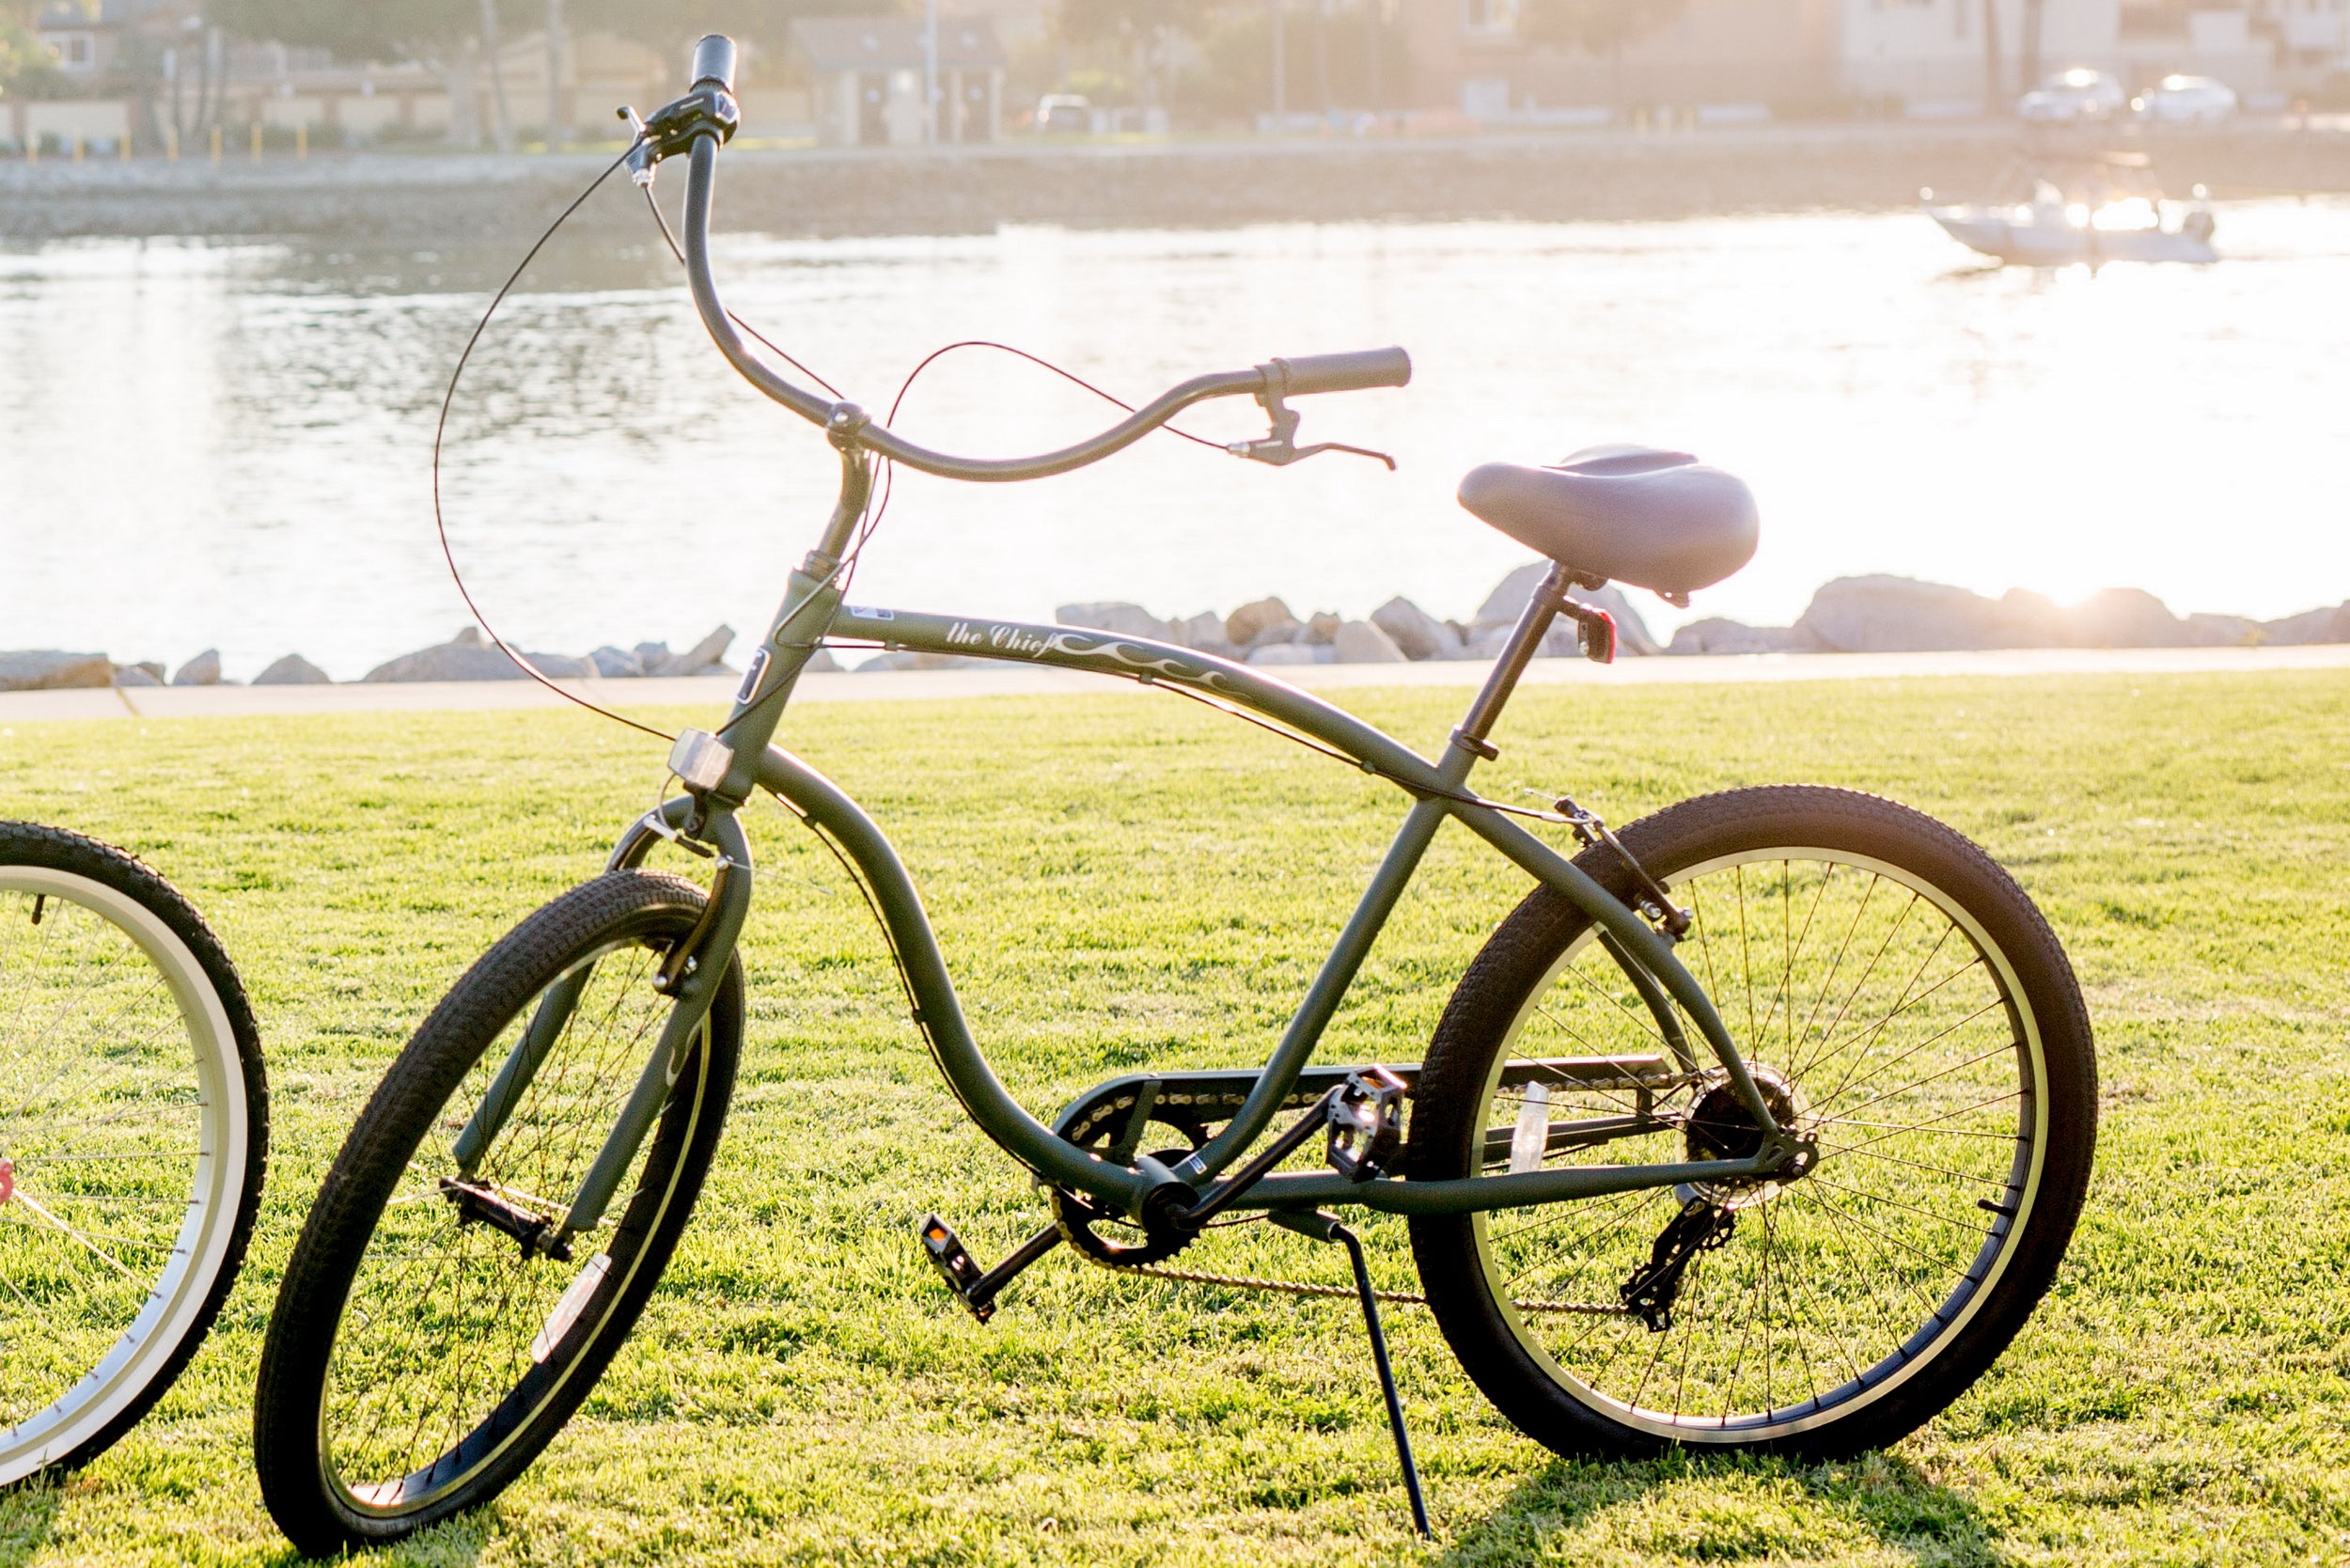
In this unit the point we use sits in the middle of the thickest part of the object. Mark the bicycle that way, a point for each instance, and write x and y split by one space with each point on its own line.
1636 1226
133 1133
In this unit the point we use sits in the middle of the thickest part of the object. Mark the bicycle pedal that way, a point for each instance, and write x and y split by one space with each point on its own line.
955 1264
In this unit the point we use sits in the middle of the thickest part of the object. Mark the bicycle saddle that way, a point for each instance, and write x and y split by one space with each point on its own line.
1655 519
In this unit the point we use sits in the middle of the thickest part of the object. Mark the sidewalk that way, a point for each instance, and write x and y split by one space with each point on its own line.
149 702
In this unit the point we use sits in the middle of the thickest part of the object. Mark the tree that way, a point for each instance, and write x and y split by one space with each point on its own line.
1139 28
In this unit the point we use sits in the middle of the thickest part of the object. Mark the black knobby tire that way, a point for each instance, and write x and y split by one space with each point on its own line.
1525 1297
321 1374
188 1299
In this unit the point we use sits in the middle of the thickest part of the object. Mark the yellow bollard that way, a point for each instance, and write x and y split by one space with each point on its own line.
302 140
123 147
171 144
216 144
257 141
77 149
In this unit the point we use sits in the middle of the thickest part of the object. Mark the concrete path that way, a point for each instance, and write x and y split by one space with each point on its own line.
146 703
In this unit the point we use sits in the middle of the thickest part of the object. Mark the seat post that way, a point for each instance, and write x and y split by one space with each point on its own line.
1542 608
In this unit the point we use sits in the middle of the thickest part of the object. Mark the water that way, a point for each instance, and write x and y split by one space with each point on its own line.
228 445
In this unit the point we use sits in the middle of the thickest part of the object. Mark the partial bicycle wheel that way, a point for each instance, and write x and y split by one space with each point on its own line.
423 1348
1899 1000
134 1130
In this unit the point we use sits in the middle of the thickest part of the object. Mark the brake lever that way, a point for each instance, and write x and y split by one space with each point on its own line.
1280 448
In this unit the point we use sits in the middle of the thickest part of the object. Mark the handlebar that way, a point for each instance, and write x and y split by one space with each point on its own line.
714 63
706 116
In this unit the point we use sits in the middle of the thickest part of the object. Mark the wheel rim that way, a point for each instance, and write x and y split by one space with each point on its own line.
450 1340
124 1132
1881 1009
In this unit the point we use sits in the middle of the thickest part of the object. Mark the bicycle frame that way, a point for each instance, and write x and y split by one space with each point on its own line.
812 611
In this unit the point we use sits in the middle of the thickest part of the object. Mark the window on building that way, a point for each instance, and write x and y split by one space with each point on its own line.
1490 17
73 51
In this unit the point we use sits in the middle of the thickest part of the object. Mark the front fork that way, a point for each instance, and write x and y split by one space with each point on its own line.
692 972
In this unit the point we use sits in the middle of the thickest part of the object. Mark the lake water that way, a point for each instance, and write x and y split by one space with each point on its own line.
207 444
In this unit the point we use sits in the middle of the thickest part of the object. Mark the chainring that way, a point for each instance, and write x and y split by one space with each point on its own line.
1083 1225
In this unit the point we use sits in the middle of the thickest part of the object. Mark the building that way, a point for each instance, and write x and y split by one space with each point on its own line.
1917 56
866 75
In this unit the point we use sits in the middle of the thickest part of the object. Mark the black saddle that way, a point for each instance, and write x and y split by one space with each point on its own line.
1655 519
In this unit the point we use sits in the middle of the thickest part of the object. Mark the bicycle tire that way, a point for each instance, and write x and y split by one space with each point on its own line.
338 1273
1819 1264
84 919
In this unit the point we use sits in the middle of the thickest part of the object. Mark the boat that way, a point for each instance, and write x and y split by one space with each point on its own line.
2104 207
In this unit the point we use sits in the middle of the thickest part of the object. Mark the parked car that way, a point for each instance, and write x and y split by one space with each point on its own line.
1064 114
2186 100
2074 96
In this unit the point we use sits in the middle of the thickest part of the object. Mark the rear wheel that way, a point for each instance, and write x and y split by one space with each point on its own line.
1899 1000
422 1353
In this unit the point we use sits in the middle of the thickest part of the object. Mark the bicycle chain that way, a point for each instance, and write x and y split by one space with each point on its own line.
1294 1287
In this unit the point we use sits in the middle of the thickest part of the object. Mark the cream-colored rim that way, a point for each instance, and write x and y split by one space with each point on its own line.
1891 1372
220 1136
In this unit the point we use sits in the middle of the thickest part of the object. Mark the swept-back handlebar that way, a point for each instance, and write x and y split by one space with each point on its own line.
700 122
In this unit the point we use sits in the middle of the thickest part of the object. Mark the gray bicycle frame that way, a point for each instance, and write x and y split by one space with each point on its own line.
812 612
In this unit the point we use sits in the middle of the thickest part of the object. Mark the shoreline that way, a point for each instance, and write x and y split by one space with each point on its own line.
175 702
400 198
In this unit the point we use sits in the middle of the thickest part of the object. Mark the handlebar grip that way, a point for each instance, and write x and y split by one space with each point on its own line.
714 63
1344 373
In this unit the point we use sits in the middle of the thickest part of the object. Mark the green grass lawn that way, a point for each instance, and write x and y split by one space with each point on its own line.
1125 880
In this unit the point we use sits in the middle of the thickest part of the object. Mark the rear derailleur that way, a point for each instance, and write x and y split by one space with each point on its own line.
1701 1226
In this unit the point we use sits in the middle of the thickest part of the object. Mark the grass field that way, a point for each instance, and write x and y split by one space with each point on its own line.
1125 880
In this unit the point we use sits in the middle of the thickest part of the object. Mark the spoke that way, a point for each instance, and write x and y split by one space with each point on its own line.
1876 1032
2000 1049
1940 1131
34 1204
1934 1214
1999 1181
1885 1066
1875 959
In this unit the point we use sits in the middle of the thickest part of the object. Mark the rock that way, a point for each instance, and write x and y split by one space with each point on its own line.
2224 630
202 670
469 656
618 663
1116 616
820 662
1203 632
1319 628
46 668
650 656
2124 618
1287 653
293 671
1715 635
138 675
2330 625
1506 602
1886 614
698 659
1248 626
1360 642
1417 634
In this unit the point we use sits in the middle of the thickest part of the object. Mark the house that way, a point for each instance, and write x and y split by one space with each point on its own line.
1925 57
867 75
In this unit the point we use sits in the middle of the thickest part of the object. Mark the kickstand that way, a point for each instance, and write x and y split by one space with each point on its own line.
1325 1227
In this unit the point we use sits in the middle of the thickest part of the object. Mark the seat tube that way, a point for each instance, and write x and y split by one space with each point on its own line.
1542 608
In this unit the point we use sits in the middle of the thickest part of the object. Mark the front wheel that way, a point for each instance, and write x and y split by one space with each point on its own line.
1898 1001
424 1348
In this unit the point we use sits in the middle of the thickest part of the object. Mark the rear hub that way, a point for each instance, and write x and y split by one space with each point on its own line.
1720 1127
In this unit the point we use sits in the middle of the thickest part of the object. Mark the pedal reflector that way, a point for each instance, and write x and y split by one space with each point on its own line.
954 1261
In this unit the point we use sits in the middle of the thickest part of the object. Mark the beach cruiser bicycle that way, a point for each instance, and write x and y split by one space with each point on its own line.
1761 1124
133 1128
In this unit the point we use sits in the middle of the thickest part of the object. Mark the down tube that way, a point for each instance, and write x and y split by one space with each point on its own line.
938 1012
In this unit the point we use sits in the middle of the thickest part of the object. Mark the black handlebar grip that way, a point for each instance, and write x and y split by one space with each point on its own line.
714 63
1344 373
